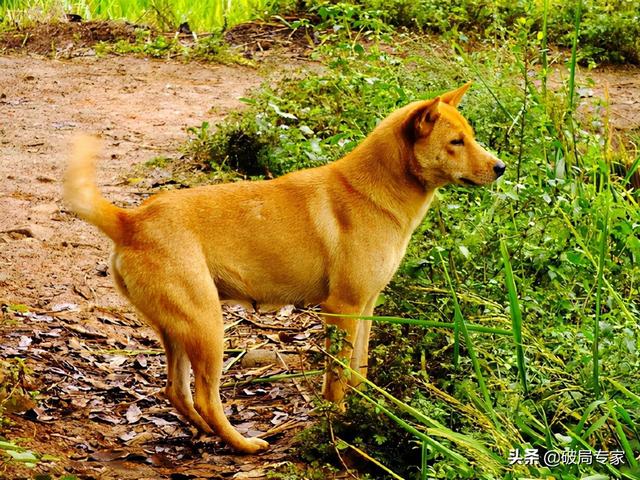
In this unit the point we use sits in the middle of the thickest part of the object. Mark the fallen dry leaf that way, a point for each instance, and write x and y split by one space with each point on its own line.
133 413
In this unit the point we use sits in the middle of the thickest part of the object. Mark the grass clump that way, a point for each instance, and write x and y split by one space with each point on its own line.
147 43
17 395
610 28
17 389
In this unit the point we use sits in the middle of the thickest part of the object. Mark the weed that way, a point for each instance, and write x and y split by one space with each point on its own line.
15 453
150 44
610 28
158 162
17 390
291 471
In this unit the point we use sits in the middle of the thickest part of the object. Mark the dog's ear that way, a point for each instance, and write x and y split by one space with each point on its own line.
421 120
454 97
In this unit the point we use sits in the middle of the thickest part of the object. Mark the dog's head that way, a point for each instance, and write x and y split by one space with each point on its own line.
443 144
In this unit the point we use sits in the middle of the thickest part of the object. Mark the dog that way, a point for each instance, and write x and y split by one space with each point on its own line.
331 236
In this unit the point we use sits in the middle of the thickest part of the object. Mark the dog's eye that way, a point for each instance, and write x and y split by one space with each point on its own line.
457 141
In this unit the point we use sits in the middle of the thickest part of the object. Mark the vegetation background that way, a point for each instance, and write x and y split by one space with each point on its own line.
513 322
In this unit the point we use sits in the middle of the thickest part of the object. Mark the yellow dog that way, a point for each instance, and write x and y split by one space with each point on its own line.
332 235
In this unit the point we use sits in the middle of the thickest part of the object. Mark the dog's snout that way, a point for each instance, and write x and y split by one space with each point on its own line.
499 168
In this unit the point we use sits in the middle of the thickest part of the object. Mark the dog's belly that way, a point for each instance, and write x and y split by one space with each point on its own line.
272 285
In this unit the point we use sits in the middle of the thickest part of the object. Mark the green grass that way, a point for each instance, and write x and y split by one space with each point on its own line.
610 29
164 14
148 44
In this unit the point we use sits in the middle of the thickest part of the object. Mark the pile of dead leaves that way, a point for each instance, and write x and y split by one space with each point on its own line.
100 411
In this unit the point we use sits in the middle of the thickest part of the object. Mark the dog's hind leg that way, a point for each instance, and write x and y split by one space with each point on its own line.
204 345
178 389
181 302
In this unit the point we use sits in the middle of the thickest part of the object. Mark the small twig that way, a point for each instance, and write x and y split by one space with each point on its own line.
231 325
116 351
83 331
156 393
294 380
115 313
273 378
335 447
366 456
315 393
288 425
234 361
242 353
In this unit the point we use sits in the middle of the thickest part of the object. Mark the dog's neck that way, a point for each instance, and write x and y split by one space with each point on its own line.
383 173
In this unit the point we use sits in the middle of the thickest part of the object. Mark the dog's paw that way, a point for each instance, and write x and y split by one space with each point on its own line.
254 445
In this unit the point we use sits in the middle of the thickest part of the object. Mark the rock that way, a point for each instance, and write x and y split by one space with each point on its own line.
258 358
46 208
30 231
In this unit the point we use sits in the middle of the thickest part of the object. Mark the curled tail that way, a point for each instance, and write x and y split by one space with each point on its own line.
81 191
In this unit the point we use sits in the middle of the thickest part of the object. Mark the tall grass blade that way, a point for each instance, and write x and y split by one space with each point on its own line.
273 378
632 169
516 315
622 438
457 321
612 291
614 471
597 425
596 324
572 82
447 452
164 14
423 461
460 51
528 430
625 390
545 49
470 348
574 56
433 426
368 457
583 420
420 323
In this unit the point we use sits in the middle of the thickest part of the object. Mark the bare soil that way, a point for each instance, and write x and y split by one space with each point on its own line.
258 39
99 370
615 85
65 37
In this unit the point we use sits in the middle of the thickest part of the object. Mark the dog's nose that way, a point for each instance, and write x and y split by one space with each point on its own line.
499 168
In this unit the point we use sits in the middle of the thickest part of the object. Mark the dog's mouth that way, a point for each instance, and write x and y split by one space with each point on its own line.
466 181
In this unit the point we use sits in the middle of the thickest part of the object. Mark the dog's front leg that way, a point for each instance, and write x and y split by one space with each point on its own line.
360 356
335 379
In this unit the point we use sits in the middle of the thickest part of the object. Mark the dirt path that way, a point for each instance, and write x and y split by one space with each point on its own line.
100 371
621 84
141 107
